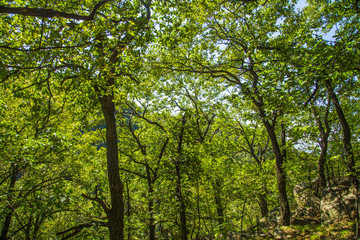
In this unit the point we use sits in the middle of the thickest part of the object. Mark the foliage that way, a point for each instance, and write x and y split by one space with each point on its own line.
221 108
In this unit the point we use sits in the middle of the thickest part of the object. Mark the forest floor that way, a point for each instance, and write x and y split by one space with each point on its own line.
309 229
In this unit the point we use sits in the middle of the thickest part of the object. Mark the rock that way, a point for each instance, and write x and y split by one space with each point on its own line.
278 234
339 200
308 204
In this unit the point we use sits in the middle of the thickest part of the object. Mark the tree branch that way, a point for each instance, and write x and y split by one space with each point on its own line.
144 118
99 201
132 172
77 229
147 6
50 13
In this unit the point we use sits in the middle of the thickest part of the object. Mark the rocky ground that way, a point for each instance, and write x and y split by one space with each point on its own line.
329 216
310 229
303 229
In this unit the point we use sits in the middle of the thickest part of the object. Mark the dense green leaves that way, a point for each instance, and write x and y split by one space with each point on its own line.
221 108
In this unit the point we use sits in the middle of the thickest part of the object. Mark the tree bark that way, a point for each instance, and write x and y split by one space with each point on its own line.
258 101
324 134
280 173
10 209
264 210
116 213
128 212
50 13
183 227
28 228
179 194
346 133
354 173
218 202
152 235
321 170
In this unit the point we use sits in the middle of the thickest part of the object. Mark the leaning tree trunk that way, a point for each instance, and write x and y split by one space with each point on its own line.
116 213
346 133
280 172
279 159
324 133
258 101
350 161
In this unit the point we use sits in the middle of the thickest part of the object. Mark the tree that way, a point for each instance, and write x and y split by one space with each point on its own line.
250 63
105 44
146 151
36 153
171 119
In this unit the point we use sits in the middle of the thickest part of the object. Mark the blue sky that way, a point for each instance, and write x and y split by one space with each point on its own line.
328 36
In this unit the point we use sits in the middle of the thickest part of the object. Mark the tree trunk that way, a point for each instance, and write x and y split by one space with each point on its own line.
116 213
279 155
346 133
242 219
321 163
9 209
347 146
151 219
218 202
280 173
28 228
128 212
183 228
324 136
264 210
151 206
321 169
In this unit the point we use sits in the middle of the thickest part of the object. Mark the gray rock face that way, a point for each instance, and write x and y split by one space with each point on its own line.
338 200
308 204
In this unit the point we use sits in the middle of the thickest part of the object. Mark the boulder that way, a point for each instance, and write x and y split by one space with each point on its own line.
338 199
308 205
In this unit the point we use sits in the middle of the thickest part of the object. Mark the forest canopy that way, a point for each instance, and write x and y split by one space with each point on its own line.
149 119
